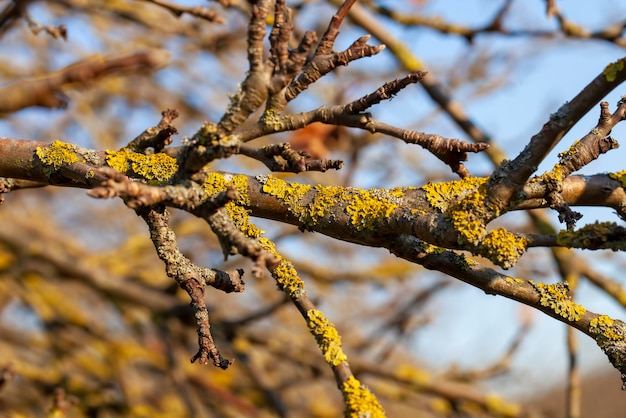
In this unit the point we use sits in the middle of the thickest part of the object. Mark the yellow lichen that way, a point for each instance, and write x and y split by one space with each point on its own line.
431 249
272 120
461 260
466 262
56 155
444 195
554 176
416 376
603 330
325 198
555 297
366 209
327 337
619 176
155 168
289 194
513 280
360 402
499 407
215 183
285 274
611 70
570 152
218 182
595 235
502 247
465 219
441 406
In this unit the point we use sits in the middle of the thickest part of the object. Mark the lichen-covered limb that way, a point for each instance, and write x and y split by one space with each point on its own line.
552 300
52 163
236 234
358 399
48 91
365 216
233 241
505 188
71 166
595 236
443 214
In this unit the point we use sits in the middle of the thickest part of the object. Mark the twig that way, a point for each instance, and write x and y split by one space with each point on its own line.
321 65
431 84
191 279
56 32
281 158
328 39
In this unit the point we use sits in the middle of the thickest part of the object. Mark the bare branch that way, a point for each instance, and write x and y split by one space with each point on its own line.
197 11
47 91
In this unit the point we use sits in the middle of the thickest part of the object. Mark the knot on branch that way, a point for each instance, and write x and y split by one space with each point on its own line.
453 152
